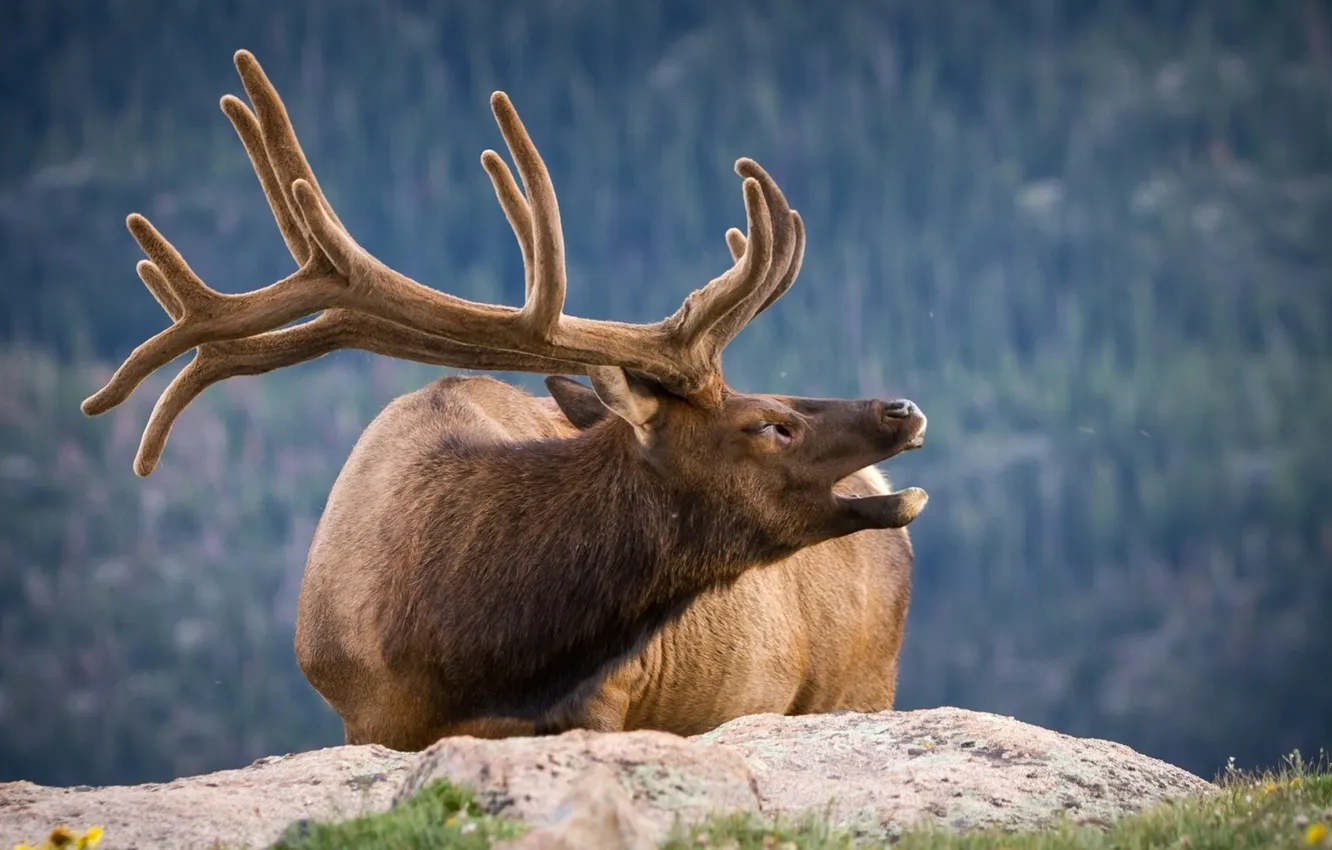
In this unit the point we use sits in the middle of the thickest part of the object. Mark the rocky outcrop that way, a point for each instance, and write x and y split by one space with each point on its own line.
876 773
947 767
667 777
248 807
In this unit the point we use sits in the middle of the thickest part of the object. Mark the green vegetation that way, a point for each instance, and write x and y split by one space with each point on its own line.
1089 238
440 817
1287 808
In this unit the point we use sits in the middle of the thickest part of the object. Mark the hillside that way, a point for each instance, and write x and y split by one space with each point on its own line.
1089 238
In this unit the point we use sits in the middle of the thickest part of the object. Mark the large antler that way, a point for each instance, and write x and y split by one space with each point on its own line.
375 308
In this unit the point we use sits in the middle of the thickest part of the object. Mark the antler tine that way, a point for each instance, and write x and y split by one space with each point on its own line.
735 241
788 250
284 154
793 268
252 137
545 296
705 308
516 211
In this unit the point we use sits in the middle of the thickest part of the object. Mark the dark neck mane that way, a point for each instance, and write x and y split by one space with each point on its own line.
548 562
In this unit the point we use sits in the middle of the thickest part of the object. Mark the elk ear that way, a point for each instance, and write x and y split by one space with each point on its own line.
625 395
578 402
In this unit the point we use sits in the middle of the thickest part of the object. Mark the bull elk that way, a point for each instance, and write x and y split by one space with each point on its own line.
653 550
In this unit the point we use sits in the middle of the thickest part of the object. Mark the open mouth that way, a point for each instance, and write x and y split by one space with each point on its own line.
893 509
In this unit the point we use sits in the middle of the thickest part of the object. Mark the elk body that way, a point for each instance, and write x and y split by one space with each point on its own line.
819 630
656 550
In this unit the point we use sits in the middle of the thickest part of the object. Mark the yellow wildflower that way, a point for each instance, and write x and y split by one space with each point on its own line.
452 821
91 838
1295 783
24 846
60 836
1315 833
1269 787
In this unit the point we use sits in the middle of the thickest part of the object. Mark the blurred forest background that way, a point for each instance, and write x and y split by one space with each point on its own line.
1092 238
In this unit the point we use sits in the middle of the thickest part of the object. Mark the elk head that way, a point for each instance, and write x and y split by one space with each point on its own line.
770 460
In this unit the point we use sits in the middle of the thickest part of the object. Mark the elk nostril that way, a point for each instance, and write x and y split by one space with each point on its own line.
901 409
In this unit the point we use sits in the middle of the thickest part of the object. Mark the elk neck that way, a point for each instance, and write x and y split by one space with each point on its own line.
551 560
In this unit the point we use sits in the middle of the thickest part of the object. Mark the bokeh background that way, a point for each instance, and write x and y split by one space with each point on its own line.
1092 238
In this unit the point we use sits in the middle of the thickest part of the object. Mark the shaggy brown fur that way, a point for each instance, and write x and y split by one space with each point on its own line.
486 561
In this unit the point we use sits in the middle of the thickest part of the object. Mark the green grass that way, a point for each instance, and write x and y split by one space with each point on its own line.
1287 808
440 816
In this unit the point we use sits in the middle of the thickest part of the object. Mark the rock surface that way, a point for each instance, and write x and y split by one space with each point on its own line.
949 767
597 812
248 807
877 773
667 777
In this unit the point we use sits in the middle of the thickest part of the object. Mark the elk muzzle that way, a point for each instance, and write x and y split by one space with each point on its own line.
844 435
855 435
904 421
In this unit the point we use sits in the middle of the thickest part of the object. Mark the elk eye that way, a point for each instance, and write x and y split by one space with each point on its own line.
777 432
